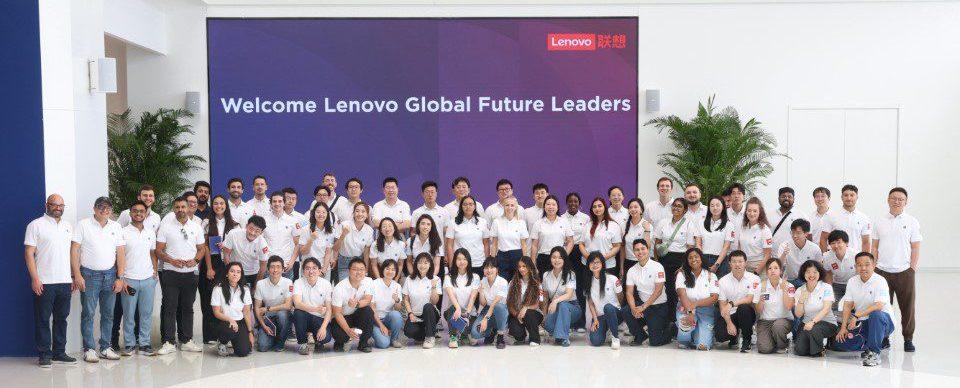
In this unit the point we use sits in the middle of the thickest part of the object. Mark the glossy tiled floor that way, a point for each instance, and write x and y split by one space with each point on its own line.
935 364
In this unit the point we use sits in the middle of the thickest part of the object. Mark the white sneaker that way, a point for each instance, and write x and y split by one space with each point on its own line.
109 354
190 346
534 344
615 343
91 356
397 343
222 350
166 348
581 330
429 342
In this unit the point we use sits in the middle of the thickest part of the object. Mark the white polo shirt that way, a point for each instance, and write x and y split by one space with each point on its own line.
320 245
895 234
344 291
273 294
645 279
555 287
509 233
684 233
753 240
419 290
736 217
773 307
705 284
633 232
355 241
822 294
733 289
855 223
550 234
234 307
496 211
171 218
842 269
796 256
398 212
314 295
98 244
454 206
606 234
240 213
865 294
818 222
341 208
461 290
577 223
531 215
259 207
711 241
469 235
416 246
621 216
181 242
52 240
440 217
383 296
301 220
280 233
654 211
611 288
136 253
500 287
697 216
152 221
396 250
248 253
783 234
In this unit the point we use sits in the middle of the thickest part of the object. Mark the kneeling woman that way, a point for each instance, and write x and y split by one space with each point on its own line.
387 321
460 288
493 315
697 294
231 303
523 303
421 292
559 288
773 303
603 302
312 314
812 306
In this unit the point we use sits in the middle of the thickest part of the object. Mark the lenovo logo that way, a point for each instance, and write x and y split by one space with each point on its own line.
571 42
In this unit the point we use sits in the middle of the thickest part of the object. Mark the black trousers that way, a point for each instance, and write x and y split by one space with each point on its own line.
543 264
582 273
743 319
205 286
427 327
627 264
657 322
671 263
361 319
810 343
507 263
179 292
240 338
530 326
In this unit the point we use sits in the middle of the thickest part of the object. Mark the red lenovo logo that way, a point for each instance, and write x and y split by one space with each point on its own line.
571 42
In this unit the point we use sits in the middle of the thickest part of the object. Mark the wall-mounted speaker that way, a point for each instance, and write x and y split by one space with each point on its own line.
652 97
103 75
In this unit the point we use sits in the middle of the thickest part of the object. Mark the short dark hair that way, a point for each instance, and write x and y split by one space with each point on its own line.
459 179
812 263
850 188
146 187
356 260
305 262
694 184
199 184
425 185
737 253
289 190
898 190
257 221
867 254
317 188
388 180
504 181
387 263
355 179
801 223
663 178
259 177
786 189
639 241
738 186
276 194
278 259
326 174
138 202
187 194
539 186
822 189
180 199
614 187
234 179
838 235
573 194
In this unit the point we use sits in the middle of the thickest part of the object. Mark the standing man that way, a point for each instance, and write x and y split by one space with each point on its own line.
192 206
460 188
430 206
354 189
148 197
535 212
139 275
783 218
180 246
260 203
821 216
282 234
290 205
202 188
504 191
391 206
736 210
46 250
696 211
660 208
850 220
239 210
897 243
96 256
340 207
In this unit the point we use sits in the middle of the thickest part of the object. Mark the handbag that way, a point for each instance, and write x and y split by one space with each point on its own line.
664 247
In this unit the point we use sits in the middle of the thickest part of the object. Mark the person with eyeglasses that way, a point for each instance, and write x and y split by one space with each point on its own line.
180 246
46 252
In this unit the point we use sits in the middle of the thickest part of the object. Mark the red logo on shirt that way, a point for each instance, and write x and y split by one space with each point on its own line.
769 241
264 249
291 288
660 275
756 284
835 266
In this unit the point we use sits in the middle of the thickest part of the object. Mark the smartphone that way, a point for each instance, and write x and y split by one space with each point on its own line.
131 291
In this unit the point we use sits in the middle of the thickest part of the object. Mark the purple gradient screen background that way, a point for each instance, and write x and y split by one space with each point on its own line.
343 59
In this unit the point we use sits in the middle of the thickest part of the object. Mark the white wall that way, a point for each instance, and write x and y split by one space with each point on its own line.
761 58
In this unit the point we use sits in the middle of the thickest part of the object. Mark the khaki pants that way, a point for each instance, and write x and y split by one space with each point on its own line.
772 335
902 286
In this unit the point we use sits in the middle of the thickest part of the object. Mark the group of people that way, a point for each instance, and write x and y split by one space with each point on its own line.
698 272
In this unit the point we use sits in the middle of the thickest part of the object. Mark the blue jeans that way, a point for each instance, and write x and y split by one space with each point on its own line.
394 322
138 306
610 320
55 302
267 342
869 335
702 335
558 323
722 269
507 263
343 267
98 290
498 320
797 282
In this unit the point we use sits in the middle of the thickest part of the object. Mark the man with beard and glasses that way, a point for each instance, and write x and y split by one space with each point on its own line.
783 218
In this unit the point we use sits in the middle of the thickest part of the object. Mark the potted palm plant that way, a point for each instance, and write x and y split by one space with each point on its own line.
149 151
714 149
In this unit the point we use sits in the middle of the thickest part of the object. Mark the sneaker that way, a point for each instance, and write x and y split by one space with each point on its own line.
864 354
166 348
565 342
64 359
474 341
147 350
280 348
317 348
519 342
339 348
91 356
908 346
501 343
615 343
109 354
365 349
397 343
781 351
127 351
745 348
873 359
222 350
734 343
429 342
303 349
45 362
581 330
453 343
534 344
885 344
190 346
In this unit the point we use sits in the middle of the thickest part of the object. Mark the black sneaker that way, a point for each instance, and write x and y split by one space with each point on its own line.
338 348
64 359
147 350
366 349
745 348
885 344
318 348
501 343
44 362
734 343
864 354
908 346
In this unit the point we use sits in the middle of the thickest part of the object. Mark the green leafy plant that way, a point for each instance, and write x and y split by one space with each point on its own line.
149 151
713 149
